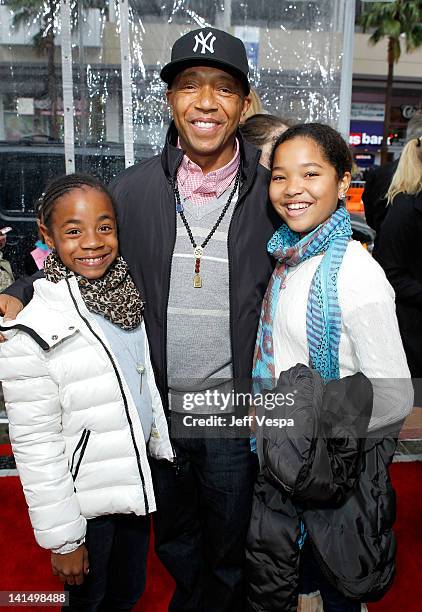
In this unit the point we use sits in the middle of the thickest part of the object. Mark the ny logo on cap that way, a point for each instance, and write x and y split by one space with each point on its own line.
200 40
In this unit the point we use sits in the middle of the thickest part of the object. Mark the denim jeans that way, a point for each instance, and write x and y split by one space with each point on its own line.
311 579
202 520
117 548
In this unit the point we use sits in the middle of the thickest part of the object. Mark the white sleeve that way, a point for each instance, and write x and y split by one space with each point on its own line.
371 323
35 428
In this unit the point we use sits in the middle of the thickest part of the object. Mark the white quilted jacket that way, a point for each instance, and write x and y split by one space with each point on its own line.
75 431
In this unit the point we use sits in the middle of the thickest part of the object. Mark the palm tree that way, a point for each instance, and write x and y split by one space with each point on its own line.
46 12
398 21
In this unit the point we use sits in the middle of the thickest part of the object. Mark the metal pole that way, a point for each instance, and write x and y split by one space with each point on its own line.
82 78
67 81
112 11
227 14
347 69
126 83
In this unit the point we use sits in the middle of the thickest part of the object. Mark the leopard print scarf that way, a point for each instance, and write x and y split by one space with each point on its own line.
114 295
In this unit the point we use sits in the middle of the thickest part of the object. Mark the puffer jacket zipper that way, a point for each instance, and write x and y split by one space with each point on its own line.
119 380
77 447
172 182
81 455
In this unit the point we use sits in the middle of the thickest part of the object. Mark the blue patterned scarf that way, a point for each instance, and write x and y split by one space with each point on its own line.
323 316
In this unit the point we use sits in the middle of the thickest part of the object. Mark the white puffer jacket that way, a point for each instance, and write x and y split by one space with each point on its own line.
75 431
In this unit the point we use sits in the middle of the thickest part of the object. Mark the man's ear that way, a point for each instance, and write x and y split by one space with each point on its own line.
169 96
48 240
247 101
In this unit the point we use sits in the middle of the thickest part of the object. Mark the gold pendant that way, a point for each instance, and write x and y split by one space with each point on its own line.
197 282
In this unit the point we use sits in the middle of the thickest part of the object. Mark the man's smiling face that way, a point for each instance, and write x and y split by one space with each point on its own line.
207 104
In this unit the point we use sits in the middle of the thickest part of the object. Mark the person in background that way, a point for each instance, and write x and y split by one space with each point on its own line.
399 252
6 274
82 402
254 107
378 180
35 259
262 131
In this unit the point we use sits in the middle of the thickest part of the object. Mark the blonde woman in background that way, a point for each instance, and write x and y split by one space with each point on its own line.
255 107
399 251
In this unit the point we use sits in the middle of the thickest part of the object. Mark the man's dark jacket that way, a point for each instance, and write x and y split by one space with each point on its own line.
146 215
323 473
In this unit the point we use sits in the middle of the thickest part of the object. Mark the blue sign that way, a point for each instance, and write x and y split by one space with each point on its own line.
366 133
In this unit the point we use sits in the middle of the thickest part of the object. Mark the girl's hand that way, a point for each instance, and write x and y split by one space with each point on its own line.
71 567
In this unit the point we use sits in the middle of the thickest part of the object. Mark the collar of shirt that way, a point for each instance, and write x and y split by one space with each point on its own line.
200 187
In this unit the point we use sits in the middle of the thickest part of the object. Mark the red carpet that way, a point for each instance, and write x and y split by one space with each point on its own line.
26 566
406 592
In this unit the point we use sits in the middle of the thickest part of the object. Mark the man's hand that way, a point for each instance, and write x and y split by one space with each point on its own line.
9 308
252 415
71 567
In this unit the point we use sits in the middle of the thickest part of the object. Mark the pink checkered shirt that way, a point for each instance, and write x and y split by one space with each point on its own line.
200 188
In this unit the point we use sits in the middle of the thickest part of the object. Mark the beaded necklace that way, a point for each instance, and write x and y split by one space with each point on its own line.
198 250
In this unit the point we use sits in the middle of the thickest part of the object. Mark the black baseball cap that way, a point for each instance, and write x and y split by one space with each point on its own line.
208 47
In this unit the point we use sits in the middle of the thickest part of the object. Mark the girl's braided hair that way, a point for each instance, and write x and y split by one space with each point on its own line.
44 206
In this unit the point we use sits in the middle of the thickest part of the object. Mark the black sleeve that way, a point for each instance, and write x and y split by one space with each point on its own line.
374 196
396 244
23 289
368 200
